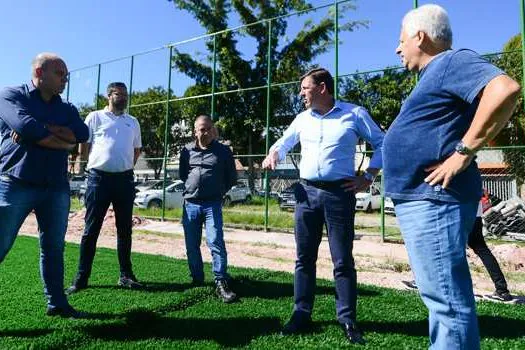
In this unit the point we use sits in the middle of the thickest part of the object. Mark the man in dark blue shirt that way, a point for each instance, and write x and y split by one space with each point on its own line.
37 129
460 103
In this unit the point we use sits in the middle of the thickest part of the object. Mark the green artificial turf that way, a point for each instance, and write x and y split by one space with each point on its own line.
170 314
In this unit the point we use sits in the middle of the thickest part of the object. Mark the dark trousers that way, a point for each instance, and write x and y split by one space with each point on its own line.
476 242
333 207
102 190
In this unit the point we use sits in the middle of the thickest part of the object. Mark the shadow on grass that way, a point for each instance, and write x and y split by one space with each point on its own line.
150 287
490 327
228 332
25 333
249 287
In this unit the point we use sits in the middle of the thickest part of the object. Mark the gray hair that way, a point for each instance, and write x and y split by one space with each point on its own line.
42 60
432 20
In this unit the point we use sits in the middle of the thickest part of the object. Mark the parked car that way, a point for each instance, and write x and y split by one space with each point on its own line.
151 185
389 206
75 183
287 197
368 200
174 196
238 193
152 198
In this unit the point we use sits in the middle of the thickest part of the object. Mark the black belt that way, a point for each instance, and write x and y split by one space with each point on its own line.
105 173
323 185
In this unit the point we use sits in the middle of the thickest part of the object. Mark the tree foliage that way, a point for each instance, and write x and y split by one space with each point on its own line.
381 93
242 115
514 134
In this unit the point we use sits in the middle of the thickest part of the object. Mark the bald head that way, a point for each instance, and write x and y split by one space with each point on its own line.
49 74
43 60
204 131
203 118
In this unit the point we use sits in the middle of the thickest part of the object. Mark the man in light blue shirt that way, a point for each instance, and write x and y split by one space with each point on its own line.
328 131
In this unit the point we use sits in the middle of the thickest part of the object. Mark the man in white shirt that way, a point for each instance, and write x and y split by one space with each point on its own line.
113 147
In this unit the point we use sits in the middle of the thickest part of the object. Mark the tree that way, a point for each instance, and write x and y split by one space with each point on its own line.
149 107
514 134
381 94
242 115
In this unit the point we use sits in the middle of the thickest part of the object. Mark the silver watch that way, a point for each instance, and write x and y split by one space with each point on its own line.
464 150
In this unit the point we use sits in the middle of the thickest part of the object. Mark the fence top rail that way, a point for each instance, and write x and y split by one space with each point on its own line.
209 35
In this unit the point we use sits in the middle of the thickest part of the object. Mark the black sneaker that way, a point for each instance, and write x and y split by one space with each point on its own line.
300 323
224 292
129 282
197 283
66 312
501 296
410 284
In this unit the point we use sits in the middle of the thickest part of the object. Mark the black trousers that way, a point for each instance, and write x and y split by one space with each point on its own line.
476 242
102 190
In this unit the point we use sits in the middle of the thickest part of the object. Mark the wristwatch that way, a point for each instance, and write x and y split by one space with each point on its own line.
464 150
369 176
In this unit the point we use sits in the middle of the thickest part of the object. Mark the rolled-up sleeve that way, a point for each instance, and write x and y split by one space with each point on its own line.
289 139
15 113
372 133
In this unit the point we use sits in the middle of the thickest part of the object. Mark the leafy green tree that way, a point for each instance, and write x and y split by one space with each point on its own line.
149 107
381 93
242 115
514 134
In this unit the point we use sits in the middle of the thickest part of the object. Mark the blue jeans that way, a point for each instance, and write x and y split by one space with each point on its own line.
194 215
51 207
334 208
102 190
435 235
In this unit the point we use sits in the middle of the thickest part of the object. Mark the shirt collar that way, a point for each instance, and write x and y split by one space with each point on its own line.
107 111
31 88
337 107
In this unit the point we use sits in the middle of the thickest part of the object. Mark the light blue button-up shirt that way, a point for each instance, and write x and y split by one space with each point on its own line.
328 141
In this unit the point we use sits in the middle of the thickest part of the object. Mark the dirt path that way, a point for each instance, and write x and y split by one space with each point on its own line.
381 264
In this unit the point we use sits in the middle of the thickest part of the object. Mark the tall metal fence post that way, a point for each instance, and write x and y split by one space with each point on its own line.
130 89
383 230
522 17
97 102
213 77
268 105
166 128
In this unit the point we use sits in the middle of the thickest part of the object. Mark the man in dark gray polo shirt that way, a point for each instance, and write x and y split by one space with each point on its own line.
208 169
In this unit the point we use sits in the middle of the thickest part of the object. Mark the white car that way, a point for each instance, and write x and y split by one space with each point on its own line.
153 198
174 196
389 206
368 200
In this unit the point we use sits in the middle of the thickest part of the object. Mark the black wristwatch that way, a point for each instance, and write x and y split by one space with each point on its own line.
464 150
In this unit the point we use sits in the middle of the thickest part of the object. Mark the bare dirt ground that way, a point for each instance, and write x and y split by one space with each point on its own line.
377 263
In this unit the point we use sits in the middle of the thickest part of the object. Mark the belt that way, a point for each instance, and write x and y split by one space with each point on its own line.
323 185
105 173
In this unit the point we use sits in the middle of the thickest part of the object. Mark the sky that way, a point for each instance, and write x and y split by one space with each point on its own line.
88 32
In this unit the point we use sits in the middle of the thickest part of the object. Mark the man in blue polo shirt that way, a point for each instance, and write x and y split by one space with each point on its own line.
37 129
328 131
459 104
